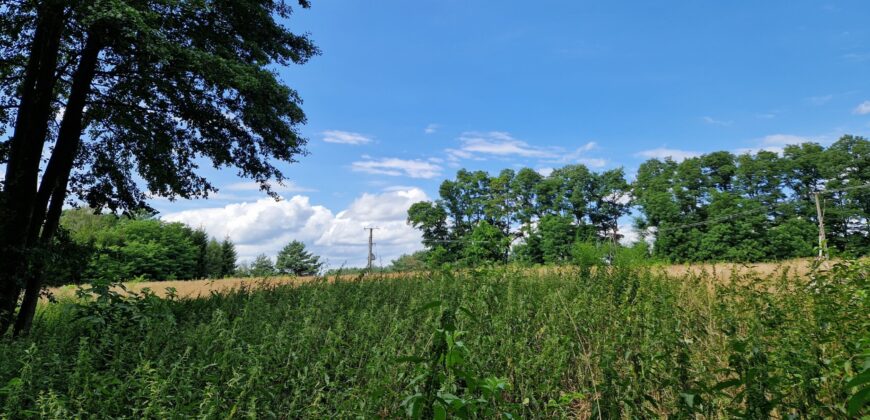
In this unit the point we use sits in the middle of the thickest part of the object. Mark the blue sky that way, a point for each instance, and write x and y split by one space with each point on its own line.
405 93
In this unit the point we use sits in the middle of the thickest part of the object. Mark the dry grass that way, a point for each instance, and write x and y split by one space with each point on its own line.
202 288
199 288
724 271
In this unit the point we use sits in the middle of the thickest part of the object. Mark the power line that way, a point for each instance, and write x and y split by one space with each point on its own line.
371 255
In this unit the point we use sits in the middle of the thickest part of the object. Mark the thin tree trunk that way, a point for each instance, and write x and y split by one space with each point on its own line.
56 177
22 169
36 276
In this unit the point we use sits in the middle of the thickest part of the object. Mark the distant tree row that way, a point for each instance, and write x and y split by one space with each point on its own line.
719 206
292 260
522 215
772 196
112 248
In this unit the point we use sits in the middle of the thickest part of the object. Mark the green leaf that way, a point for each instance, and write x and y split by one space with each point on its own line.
858 401
861 379
440 412
411 359
726 384
427 306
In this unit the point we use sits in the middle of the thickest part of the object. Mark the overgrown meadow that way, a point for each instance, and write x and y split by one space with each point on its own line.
620 342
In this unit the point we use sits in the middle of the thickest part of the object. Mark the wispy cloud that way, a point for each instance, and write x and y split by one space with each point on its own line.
593 162
345 137
782 140
431 128
766 115
856 57
500 143
714 121
287 186
663 153
483 145
398 167
777 142
863 108
820 100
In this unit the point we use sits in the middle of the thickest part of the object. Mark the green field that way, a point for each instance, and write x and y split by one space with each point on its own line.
609 344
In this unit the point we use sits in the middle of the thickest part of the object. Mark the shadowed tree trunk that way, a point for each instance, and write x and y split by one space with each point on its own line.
57 173
26 144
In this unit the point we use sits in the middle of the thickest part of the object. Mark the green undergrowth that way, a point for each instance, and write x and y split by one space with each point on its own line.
495 342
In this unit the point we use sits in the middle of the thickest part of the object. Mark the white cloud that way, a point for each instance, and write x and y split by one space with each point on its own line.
288 187
398 167
713 121
629 234
500 143
345 137
481 146
544 171
776 143
782 140
856 57
820 100
863 108
663 152
578 156
594 163
431 128
266 225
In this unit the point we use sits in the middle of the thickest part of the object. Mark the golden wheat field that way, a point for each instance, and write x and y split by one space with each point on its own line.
202 288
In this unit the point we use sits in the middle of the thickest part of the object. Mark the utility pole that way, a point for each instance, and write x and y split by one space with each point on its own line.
371 256
823 248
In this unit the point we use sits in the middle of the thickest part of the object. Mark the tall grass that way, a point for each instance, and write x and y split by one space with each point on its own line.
606 344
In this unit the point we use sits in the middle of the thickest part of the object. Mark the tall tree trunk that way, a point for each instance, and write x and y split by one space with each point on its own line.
26 144
56 177
36 276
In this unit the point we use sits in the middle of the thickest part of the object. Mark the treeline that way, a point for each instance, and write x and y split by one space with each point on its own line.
719 206
107 247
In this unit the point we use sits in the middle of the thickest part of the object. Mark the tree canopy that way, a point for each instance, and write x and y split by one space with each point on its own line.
718 206
295 260
144 92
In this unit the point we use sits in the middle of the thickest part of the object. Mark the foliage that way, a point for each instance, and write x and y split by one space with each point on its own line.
228 257
262 266
108 248
548 212
613 343
444 385
410 262
760 206
143 93
293 259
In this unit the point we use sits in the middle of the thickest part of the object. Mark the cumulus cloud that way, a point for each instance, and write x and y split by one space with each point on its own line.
397 167
266 225
663 152
431 128
345 137
863 108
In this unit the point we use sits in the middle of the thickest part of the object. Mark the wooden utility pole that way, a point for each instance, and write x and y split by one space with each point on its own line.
823 248
371 256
